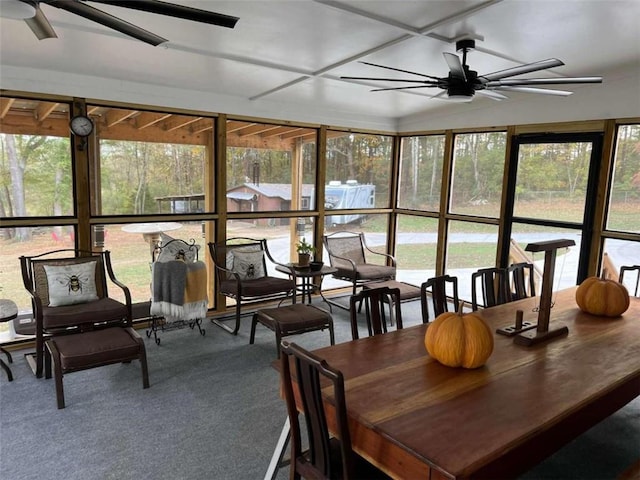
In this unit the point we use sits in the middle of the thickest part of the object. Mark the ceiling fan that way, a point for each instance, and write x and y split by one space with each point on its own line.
30 11
462 83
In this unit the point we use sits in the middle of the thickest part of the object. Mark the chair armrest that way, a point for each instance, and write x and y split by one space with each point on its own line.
388 257
332 256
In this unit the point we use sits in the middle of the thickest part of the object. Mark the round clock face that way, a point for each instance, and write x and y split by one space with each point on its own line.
81 126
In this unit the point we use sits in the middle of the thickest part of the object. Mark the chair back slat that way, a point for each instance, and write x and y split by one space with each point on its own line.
494 287
373 300
521 281
628 270
440 298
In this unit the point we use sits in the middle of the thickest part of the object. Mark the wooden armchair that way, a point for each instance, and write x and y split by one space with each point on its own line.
346 252
77 321
241 274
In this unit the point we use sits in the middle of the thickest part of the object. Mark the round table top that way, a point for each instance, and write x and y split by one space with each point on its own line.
157 227
8 310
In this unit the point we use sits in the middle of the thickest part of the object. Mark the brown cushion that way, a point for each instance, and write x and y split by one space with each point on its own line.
407 291
101 310
258 287
369 272
109 345
294 318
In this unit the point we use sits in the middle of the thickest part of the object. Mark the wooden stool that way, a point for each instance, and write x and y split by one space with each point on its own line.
292 320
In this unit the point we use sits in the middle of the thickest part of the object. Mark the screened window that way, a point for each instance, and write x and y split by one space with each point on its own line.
552 181
36 177
262 162
358 171
478 167
624 200
420 181
416 248
150 162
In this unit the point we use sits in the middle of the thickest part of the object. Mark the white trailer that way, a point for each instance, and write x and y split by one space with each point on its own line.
348 195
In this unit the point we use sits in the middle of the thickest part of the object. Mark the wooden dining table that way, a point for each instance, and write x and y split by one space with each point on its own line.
417 419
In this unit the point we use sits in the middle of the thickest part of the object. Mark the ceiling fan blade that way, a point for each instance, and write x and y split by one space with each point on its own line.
40 26
543 81
546 91
107 20
402 88
492 94
178 11
455 65
400 70
424 82
527 68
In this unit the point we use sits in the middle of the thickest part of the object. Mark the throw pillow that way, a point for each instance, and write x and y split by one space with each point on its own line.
248 265
71 284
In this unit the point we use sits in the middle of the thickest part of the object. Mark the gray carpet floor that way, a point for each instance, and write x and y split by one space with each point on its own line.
213 412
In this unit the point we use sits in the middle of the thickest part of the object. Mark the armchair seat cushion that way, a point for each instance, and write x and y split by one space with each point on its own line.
258 287
368 272
102 310
98 347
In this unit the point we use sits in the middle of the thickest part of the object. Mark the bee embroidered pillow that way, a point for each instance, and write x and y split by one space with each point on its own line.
248 265
71 284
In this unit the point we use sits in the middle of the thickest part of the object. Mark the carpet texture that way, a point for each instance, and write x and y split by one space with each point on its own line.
213 412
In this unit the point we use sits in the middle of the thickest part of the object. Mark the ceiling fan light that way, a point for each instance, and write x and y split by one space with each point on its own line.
459 98
17 9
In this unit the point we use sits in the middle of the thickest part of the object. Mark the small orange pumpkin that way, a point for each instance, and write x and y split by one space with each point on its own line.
458 340
601 296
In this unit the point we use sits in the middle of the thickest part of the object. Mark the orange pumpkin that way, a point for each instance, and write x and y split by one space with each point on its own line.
601 296
458 340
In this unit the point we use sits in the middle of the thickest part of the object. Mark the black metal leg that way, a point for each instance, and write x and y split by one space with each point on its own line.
6 368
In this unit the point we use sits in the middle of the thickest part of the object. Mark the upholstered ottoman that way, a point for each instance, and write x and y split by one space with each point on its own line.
292 320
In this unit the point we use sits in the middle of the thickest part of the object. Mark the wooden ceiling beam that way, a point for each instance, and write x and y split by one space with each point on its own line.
115 116
298 132
234 125
44 109
5 105
202 125
176 122
257 130
146 119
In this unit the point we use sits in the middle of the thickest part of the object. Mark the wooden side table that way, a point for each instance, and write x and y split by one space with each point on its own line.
8 311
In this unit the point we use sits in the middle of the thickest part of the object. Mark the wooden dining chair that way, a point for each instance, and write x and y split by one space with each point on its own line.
494 287
628 269
522 282
328 457
374 300
436 288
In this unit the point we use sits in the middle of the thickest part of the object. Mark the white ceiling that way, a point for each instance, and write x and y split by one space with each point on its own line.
284 59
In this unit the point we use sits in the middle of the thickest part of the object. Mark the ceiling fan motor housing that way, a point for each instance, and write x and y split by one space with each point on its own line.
457 86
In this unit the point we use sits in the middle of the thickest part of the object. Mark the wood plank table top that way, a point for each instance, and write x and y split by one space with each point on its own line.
416 418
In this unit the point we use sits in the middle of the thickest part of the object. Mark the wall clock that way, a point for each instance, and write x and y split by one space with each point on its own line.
81 125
